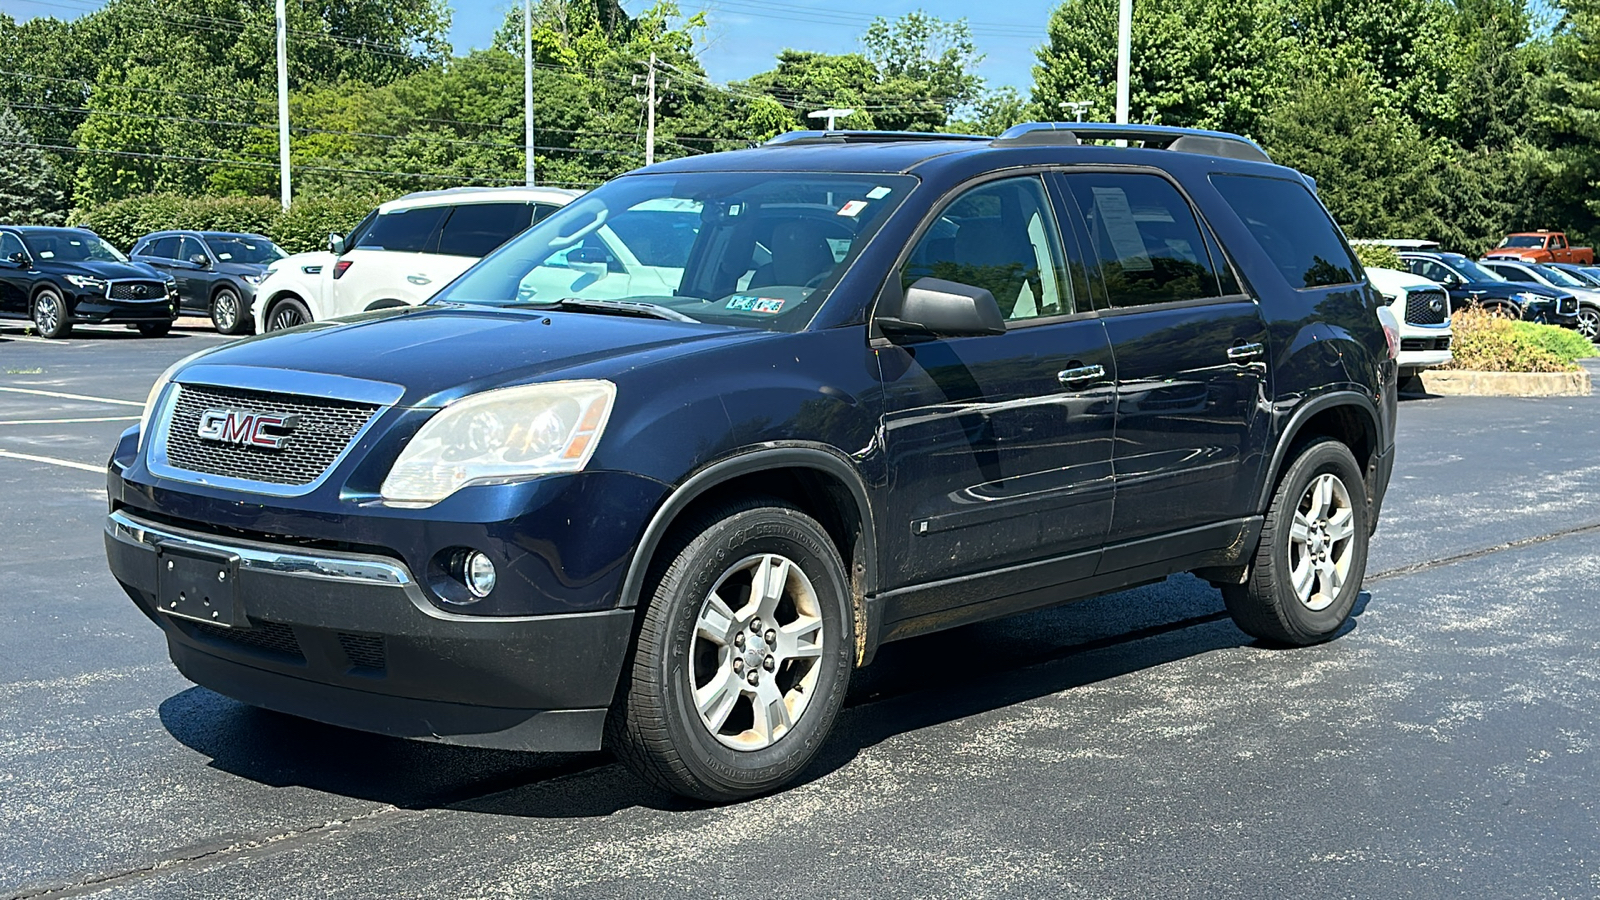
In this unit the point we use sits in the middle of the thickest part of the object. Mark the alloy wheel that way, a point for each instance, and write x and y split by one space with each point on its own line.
285 316
225 311
1320 542
1589 322
756 652
47 312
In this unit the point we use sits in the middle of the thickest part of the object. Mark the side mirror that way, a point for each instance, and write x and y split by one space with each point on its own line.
19 259
937 308
201 260
591 256
336 244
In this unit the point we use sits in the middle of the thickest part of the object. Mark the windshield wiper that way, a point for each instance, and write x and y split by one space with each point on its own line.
638 308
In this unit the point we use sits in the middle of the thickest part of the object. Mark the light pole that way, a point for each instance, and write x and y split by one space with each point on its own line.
1124 52
283 106
831 115
527 84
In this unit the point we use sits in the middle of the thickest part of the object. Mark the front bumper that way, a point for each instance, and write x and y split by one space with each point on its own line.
350 639
95 309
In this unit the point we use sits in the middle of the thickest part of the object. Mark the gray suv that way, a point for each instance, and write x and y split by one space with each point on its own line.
216 271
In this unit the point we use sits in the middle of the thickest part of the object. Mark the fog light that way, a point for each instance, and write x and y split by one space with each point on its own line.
476 571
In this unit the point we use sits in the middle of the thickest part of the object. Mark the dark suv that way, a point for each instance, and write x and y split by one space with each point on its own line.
664 469
60 277
216 271
1470 284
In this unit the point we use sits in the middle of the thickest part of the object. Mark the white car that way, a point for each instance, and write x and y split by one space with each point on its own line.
401 254
1423 309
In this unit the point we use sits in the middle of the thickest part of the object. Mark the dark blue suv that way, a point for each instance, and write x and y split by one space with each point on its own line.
662 471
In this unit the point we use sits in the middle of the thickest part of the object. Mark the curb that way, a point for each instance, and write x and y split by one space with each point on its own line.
1462 383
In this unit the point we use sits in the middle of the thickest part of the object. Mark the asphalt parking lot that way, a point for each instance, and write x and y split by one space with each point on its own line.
1134 745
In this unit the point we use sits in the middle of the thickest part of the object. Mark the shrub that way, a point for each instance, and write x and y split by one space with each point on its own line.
304 226
1490 343
1378 256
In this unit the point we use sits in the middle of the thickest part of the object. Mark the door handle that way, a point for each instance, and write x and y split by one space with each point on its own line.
1242 352
418 279
1071 377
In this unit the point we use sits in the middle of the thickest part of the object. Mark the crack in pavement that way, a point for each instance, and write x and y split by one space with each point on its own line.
248 849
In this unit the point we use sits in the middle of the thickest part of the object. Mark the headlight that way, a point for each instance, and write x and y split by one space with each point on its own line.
1389 298
500 436
88 282
255 278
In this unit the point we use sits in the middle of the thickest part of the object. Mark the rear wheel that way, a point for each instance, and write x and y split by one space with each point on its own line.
227 312
1313 553
50 314
287 313
743 656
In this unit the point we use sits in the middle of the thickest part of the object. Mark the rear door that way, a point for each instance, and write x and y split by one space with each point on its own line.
1191 355
998 447
389 263
469 233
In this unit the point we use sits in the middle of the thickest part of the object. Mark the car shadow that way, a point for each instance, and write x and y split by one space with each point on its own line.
912 685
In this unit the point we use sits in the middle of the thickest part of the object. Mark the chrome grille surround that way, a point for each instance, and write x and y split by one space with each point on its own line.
333 412
128 291
1419 307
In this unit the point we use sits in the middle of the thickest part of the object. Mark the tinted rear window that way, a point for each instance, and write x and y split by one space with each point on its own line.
1292 228
403 230
475 229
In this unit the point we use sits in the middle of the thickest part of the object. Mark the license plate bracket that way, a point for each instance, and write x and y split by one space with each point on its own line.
199 585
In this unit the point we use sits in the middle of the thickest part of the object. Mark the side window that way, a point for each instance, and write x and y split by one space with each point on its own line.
1558 242
1150 245
476 229
1292 228
163 248
188 248
10 245
403 230
1000 236
542 211
1432 271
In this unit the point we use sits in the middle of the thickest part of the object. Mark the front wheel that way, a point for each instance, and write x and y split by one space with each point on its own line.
50 314
228 313
1589 322
1313 553
287 313
742 658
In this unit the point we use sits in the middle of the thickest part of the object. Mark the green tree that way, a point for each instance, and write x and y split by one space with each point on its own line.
29 194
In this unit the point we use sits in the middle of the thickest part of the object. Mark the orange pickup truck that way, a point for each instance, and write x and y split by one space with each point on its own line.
1541 247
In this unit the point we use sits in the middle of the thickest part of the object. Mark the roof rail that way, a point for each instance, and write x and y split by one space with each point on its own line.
865 137
1184 140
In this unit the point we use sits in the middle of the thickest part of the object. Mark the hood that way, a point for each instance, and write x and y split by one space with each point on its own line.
98 269
235 268
440 353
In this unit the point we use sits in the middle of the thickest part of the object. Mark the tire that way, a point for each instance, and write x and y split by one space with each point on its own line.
49 314
287 313
1589 322
693 654
1273 604
228 314
154 329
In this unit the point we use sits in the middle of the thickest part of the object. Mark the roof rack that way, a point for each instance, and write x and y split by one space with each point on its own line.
865 137
1183 140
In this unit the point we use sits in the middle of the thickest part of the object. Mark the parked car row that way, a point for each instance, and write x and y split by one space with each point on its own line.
403 252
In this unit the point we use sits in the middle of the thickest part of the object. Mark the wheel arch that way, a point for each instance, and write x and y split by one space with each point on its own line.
818 480
1347 416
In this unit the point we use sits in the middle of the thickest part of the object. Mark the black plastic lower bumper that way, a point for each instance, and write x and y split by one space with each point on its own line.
349 639
99 311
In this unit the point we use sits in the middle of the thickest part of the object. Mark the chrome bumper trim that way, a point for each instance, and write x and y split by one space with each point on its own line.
258 557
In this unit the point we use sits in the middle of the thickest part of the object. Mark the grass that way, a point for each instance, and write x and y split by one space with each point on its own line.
1488 343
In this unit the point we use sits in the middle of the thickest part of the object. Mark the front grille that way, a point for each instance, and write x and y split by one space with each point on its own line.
325 428
1438 343
273 637
137 290
1420 309
365 651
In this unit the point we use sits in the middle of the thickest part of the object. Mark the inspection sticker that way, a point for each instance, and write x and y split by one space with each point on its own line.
852 208
746 303
879 192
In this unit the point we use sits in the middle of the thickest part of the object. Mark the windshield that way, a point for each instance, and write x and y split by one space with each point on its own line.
241 249
1472 271
754 249
1560 278
1523 240
70 245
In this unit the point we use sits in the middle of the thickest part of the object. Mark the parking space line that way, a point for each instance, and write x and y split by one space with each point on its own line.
28 457
17 390
69 421
55 342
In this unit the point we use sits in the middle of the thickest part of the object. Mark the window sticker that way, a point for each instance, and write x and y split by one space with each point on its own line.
879 192
749 303
853 208
1116 217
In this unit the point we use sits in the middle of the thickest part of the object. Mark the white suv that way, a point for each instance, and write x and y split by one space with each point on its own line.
1423 309
401 254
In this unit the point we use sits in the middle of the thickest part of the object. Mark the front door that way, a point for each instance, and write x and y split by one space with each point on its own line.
13 276
998 447
1191 351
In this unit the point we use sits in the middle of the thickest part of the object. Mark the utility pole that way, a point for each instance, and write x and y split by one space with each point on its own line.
527 82
832 115
283 106
1124 53
650 114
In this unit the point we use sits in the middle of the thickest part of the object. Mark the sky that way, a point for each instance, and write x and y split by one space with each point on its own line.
746 35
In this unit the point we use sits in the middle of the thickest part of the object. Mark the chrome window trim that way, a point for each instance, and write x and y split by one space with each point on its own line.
326 565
